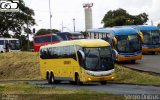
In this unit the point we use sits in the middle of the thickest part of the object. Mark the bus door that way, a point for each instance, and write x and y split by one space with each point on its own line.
7 46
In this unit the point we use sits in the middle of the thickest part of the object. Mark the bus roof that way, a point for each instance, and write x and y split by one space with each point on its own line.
140 27
2 38
115 31
82 42
74 33
44 35
145 27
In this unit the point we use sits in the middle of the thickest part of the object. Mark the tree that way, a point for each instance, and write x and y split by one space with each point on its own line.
46 31
16 21
120 17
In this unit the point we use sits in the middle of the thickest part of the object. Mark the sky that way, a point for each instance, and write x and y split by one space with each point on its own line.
63 12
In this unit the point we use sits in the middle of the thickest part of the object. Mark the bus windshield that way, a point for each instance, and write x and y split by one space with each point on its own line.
14 44
151 37
98 59
128 43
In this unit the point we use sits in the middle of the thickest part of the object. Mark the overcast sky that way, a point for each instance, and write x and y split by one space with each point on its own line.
63 11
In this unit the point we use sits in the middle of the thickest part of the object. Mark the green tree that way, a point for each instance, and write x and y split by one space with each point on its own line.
16 21
120 17
46 31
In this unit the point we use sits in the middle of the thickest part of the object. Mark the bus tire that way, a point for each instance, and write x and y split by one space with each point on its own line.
51 78
48 77
103 82
133 61
153 53
77 80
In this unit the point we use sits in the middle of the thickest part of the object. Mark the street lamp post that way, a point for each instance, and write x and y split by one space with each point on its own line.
50 15
74 24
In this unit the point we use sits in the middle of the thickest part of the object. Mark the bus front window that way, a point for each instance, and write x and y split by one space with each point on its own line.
151 37
14 45
156 37
128 43
98 59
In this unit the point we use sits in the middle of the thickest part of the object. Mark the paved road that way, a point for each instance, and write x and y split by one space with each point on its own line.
149 63
109 88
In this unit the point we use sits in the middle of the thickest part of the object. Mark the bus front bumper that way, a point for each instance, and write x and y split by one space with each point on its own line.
145 50
89 78
129 57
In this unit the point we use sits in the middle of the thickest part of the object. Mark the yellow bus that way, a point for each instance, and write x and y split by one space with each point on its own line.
77 61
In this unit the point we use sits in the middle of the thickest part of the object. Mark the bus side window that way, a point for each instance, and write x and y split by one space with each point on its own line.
72 52
90 35
41 54
97 35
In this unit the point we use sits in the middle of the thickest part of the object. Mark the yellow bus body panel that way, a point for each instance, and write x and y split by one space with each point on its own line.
66 67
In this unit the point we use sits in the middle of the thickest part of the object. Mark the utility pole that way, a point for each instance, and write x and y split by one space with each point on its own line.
62 26
50 15
74 24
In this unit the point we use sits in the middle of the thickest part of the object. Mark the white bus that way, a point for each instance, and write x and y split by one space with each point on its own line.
9 44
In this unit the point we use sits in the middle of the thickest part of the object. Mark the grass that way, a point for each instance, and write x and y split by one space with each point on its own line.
25 65
19 65
32 92
125 75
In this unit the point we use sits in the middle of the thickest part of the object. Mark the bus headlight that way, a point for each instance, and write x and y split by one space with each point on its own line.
112 77
89 79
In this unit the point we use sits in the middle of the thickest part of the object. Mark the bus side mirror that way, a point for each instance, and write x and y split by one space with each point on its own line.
114 54
81 57
141 36
115 41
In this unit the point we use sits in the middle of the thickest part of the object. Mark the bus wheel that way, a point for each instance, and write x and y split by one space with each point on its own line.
133 61
48 78
153 53
103 82
77 80
51 79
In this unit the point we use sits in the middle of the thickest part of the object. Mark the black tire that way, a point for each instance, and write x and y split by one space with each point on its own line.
77 80
103 82
51 79
57 81
72 82
48 78
153 53
133 61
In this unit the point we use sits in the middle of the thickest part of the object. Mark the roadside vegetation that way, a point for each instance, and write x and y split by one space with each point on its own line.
25 66
26 91
125 75
19 66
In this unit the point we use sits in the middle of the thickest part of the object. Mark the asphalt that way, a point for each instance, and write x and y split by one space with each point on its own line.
121 89
149 63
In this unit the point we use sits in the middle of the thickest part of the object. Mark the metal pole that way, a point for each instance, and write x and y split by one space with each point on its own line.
74 24
50 15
